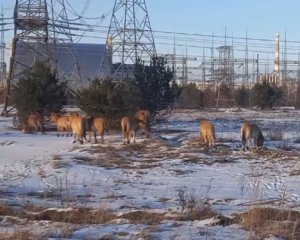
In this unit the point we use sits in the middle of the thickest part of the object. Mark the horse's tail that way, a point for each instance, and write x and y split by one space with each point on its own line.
123 125
243 135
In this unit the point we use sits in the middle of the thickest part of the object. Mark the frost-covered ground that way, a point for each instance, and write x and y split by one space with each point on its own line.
45 171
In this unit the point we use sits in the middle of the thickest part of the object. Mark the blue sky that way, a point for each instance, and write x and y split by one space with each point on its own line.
263 18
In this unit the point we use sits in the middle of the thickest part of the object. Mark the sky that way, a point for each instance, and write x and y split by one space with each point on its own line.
260 18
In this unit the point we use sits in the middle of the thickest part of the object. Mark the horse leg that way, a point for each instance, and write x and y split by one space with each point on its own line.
74 137
133 134
128 136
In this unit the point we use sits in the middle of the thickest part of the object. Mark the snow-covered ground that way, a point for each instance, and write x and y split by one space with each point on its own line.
47 171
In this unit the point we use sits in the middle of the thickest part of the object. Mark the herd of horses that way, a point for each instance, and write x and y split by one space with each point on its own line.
77 125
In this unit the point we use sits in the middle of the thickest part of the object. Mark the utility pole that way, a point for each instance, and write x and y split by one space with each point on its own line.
246 77
257 68
2 52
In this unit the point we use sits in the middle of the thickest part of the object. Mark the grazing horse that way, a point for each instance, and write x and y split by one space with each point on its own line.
251 132
33 123
97 125
143 119
207 133
78 127
129 127
62 123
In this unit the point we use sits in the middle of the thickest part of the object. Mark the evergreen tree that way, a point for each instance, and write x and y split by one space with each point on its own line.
156 88
39 90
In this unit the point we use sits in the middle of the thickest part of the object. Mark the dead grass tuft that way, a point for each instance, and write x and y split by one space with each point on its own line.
21 235
143 217
76 216
6 210
270 221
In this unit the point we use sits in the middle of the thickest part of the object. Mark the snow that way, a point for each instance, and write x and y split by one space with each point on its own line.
51 172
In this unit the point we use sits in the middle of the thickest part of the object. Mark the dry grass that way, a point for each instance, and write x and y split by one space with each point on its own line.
20 235
6 210
270 221
76 216
143 217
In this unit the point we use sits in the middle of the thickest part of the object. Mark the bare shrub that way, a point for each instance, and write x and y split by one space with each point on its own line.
297 139
193 207
285 146
275 134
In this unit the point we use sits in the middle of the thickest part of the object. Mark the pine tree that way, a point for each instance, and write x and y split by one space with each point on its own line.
39 90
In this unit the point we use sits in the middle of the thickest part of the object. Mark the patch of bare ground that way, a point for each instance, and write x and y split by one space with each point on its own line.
270 221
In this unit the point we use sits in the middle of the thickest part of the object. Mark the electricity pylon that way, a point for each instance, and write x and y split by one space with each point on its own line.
130 37
39 32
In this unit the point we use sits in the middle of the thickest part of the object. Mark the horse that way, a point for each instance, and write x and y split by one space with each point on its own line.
129 127
97 125
62 123
251 132
78 127
33 122
143 119
207 133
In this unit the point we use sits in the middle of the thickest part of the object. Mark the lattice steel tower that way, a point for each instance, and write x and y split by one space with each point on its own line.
225 69
38 30
129 37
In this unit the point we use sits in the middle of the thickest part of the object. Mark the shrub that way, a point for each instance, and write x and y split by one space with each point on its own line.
152 89
108 97
190 96
242 96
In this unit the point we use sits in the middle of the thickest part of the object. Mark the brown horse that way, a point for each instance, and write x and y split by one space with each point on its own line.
96 126
207 133
251 132
129 127
62 123
33 123
143 119
78 127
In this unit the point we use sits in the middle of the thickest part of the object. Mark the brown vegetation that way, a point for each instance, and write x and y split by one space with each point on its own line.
270 221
